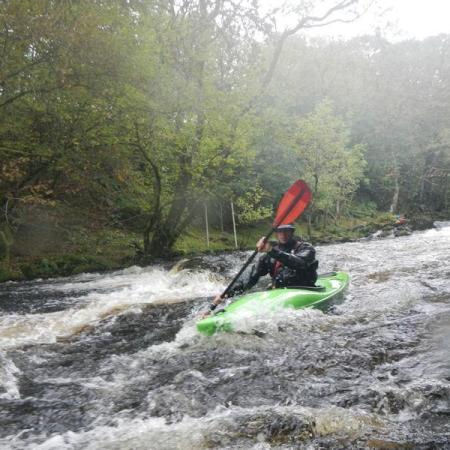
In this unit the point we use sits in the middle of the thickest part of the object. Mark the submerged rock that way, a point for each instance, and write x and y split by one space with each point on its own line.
420 223
264 426
199 263
441 224
402 230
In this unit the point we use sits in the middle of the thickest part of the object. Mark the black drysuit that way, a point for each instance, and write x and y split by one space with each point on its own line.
290 264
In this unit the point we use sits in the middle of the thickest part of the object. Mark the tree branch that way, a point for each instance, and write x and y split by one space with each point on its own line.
303 23
22 69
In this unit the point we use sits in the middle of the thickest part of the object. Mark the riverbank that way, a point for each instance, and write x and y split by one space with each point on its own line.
106 250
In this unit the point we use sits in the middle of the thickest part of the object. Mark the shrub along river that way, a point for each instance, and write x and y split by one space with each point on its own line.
113 361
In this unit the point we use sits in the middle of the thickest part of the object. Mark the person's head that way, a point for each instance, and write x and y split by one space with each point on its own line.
285 233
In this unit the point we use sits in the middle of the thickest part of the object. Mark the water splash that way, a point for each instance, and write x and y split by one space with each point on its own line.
106 296
9 388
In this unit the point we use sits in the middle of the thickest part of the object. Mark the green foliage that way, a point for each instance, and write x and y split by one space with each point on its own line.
131 114
251 206
366 209
326 159
58 116
392 98
194 240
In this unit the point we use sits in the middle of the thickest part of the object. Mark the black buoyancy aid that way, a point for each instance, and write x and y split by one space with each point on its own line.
278 266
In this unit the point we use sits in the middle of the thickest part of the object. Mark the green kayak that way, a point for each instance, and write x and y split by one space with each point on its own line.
328 287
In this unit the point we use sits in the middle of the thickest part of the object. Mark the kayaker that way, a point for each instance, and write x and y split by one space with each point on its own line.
290 262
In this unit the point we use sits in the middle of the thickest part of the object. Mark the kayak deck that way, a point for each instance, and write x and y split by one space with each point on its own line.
328 286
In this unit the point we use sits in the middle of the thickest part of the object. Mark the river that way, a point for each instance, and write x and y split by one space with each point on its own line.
113 361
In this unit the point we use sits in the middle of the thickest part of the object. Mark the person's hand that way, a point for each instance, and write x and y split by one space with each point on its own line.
263 245
217 300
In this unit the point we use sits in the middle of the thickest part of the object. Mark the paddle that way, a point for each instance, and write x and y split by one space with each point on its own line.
291 206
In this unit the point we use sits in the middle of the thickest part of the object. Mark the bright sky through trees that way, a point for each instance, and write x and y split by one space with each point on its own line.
421 18
396 19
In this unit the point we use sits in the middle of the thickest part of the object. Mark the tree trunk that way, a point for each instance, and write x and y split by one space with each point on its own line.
221 216
396 173
234 225
309 225
206 225
6 241
394 205
162 242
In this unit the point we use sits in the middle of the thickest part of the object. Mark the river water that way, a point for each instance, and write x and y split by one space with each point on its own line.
113 361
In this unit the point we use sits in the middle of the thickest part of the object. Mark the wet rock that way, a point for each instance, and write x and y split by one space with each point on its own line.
380 277
199 263
365 229
436 399
441 224
420 222
383 233
388 445
54 416
402 230
265 426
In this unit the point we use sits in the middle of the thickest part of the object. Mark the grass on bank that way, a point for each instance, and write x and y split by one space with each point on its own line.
346 229
110 249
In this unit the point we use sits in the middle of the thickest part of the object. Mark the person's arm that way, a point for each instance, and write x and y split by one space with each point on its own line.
302 259
258 270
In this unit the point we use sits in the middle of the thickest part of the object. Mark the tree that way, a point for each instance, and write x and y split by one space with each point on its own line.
59 88
327 160
210 65
140 105
394 98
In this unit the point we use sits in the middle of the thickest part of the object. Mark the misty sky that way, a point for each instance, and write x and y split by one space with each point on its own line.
399 19
421 18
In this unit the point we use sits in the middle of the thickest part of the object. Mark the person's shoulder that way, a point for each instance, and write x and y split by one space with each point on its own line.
300 243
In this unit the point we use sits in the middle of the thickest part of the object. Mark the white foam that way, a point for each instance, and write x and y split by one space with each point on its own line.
132 289
443 230
153 433
8 378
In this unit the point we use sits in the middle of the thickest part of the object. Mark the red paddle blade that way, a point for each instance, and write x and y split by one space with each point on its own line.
294 202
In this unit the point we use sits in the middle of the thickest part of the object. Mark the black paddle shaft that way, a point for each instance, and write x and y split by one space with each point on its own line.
249 260
252 257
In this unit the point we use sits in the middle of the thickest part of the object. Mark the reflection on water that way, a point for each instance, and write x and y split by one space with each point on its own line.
114 361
